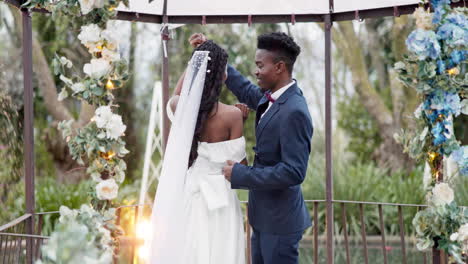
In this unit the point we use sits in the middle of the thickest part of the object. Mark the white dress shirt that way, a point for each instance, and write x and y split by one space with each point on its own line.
277 94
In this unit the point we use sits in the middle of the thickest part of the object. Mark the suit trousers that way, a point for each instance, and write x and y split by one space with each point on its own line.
275 249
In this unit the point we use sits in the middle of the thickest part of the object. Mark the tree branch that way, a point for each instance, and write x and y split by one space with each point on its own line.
369 97
45 78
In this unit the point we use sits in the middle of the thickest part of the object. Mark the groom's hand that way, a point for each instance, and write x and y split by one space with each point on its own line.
227 170
197 39
244 109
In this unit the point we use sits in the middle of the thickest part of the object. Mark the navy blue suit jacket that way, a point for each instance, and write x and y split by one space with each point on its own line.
283 136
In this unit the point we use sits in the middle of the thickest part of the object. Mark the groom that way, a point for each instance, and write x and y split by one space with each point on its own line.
283 128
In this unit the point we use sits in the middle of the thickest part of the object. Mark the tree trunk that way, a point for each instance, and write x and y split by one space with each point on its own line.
67 170
126 99
388 154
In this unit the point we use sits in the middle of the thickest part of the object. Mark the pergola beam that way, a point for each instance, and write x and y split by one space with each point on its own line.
244 19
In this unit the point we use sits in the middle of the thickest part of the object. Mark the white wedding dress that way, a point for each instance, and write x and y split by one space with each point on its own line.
196 216
215 232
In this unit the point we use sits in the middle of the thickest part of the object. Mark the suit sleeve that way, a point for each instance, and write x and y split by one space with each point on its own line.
246 92
296 134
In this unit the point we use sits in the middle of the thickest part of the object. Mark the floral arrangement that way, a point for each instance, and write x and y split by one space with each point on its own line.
81 236
436 69
99 143
89 234
443 224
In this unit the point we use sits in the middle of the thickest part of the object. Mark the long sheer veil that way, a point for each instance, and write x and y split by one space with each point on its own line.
168 220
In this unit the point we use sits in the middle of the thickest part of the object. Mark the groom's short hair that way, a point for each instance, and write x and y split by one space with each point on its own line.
283 45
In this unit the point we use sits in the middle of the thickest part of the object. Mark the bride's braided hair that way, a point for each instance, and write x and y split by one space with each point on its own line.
211 90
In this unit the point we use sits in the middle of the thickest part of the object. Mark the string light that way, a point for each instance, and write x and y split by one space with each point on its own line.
453 71
110 85
107 155
432 156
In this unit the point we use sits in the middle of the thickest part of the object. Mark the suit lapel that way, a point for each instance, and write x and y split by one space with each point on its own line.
258 114
260 124
266 118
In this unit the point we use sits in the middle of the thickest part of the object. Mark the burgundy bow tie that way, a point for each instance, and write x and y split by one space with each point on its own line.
268 96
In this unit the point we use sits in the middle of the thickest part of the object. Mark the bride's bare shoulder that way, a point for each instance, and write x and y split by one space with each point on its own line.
230 111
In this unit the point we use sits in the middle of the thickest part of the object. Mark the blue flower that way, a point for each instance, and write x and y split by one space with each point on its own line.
461 157
424 44
452 103
439 12
438 128
442 103
439 139
460 154
438 3
453 34
458 19
458 56
440 66
464 170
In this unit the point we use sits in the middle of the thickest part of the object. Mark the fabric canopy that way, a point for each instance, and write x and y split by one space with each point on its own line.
257 7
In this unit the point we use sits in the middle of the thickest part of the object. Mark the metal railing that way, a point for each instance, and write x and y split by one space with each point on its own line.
358 226
14 239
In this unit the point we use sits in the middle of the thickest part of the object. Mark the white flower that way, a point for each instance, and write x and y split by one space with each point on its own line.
96 176
464 106
66 214
90 34
463 233
102 116
110 55
454 237
107 189
87 209
94 47
88 5
399 65
66 62
66 80
78 87
111 122
112 37
115 128
97 68
423 18
418 111
442 194
99 3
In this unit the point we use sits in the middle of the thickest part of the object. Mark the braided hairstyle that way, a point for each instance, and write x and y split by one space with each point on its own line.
213 81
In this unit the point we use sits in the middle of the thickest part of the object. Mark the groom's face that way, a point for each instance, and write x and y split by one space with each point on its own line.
266 70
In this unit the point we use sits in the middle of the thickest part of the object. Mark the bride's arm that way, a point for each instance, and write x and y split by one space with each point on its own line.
180 82
175 97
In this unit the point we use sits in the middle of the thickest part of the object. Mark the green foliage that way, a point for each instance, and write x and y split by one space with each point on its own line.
11 142
103 155
49 195
357 181
364 135
81 235
71 8
438 223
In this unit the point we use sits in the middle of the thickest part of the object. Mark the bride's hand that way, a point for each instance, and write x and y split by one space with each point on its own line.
197 39
244 109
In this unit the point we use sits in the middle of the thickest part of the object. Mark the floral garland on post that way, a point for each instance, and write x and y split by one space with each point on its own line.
437 69
88 234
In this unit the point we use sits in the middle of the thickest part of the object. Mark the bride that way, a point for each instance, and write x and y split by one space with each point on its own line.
196 216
